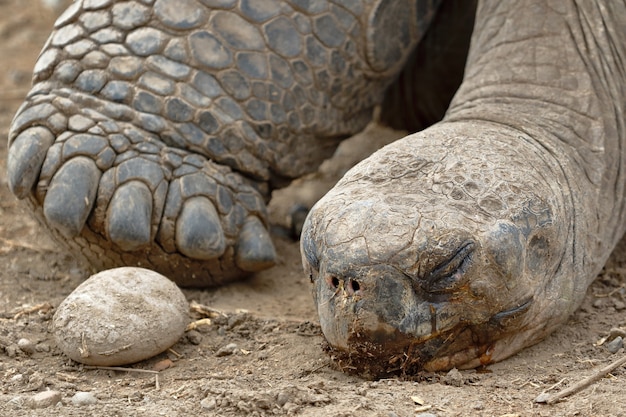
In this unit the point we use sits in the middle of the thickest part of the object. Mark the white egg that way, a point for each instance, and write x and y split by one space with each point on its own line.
120 316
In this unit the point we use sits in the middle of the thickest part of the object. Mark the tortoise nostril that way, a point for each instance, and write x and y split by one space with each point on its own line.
351 286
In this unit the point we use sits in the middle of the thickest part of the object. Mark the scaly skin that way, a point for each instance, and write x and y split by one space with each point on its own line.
460 245
155 131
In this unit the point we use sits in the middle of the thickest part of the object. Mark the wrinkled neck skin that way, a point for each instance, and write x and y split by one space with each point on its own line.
460 245
554 70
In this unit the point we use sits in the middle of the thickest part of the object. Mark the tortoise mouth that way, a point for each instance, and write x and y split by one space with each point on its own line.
386 351
398 355
382 354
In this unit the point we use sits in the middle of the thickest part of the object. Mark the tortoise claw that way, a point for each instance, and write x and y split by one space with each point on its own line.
129 216
255 250
26 156
71 195
199 234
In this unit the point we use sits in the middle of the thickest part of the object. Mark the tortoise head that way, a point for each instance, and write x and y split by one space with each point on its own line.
436 259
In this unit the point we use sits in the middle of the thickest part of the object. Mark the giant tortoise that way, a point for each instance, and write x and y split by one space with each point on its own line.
156 130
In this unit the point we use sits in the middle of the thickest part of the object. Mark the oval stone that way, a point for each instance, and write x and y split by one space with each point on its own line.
120 316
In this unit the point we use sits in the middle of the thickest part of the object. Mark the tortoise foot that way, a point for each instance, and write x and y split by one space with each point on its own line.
121 196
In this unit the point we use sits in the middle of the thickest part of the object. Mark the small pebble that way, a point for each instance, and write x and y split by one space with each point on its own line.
208 403
616 331
26 346
44 399
615 345
283 398
454 378
194 337
83 398
42 347
16 402
12 350
263 403
229 349
162 365
425 415
236 320
619 305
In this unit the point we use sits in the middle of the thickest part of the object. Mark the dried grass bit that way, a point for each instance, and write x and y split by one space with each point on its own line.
40 308
417 400
195 324
205 311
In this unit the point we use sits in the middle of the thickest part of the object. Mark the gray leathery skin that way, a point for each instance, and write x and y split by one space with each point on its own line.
459 245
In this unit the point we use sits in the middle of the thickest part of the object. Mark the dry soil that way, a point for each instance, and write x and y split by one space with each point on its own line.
262 355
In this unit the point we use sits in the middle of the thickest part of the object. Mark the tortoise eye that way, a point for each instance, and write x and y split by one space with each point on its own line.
449 274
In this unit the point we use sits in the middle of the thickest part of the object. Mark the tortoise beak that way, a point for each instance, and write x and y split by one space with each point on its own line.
371 317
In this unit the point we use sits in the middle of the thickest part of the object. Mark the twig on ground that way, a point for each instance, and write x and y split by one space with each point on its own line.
157 385
555 385
317 368
120 368
423 408
528 382
45 307
610 293
178 355
579 386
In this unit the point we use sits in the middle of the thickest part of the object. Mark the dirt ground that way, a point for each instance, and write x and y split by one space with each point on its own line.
270 359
